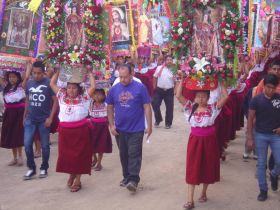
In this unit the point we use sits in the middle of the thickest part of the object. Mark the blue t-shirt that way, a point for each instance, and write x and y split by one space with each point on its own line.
40 95
128 102
267 113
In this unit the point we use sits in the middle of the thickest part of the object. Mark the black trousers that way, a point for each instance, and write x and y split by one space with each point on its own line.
168 97
130 150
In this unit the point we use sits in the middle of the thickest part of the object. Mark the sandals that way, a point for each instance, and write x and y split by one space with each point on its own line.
188 205
93 163
202 199
37 154
76 187
70 181
12 162
98 168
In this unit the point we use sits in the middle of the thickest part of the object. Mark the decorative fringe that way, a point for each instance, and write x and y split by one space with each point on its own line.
34 5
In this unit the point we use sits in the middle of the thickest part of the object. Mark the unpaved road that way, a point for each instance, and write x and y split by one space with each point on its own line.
162 184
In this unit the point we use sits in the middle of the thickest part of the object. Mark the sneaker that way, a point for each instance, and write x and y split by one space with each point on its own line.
156 124
274 182
123 183
262 196
255 157
29 174
43 173
131 186
245 156
167 126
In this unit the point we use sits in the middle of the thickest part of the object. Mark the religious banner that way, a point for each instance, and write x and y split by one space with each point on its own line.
206 35
20 30
120 28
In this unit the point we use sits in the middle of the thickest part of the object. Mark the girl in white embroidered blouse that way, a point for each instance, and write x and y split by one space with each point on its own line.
203 164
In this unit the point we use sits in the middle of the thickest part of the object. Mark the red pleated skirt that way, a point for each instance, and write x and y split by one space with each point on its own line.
203 164
74 150
101 138
12 128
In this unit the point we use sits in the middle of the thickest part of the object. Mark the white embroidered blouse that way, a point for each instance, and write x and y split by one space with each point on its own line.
97 111
14 96
201 119
72 110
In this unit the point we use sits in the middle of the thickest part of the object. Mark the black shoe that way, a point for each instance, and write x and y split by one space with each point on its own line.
123 183
156 124
262 196
167 126
131 186
29 174
274 182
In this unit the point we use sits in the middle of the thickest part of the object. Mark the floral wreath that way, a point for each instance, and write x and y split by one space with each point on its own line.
92 19
231 30
201 71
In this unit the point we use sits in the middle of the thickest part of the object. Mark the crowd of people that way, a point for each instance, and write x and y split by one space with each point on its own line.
84 117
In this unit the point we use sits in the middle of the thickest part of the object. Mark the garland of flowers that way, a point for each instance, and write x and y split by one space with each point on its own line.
231 31
92 53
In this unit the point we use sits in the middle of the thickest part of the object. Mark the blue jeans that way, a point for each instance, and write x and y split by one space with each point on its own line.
262 141
29 131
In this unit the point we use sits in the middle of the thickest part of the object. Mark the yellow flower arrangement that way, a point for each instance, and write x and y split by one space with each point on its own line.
52 11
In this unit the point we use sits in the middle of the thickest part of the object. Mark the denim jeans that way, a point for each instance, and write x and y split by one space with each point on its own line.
130 148
29 131
262 141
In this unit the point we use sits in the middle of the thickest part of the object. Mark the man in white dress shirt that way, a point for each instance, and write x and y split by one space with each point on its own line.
164 90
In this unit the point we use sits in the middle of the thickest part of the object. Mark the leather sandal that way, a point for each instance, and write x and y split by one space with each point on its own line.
188 205
202 199
76 187
71 181
98 168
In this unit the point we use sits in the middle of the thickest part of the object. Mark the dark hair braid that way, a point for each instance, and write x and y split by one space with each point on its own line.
194 108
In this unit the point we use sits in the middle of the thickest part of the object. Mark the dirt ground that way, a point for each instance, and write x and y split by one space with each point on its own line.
162 184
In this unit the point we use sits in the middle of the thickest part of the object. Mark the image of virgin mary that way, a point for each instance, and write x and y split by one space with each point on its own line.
73 29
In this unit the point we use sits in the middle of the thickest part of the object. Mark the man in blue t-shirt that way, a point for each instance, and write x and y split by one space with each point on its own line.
40 108
128 104
265 108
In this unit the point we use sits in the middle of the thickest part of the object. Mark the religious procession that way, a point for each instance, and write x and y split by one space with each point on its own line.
140 104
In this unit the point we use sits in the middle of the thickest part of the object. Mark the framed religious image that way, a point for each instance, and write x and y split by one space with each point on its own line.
20 31
74 28
206 31
20 28
166 27
120 25
276 31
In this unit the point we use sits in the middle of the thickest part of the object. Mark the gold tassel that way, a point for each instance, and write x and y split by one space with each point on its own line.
34 5
133 47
